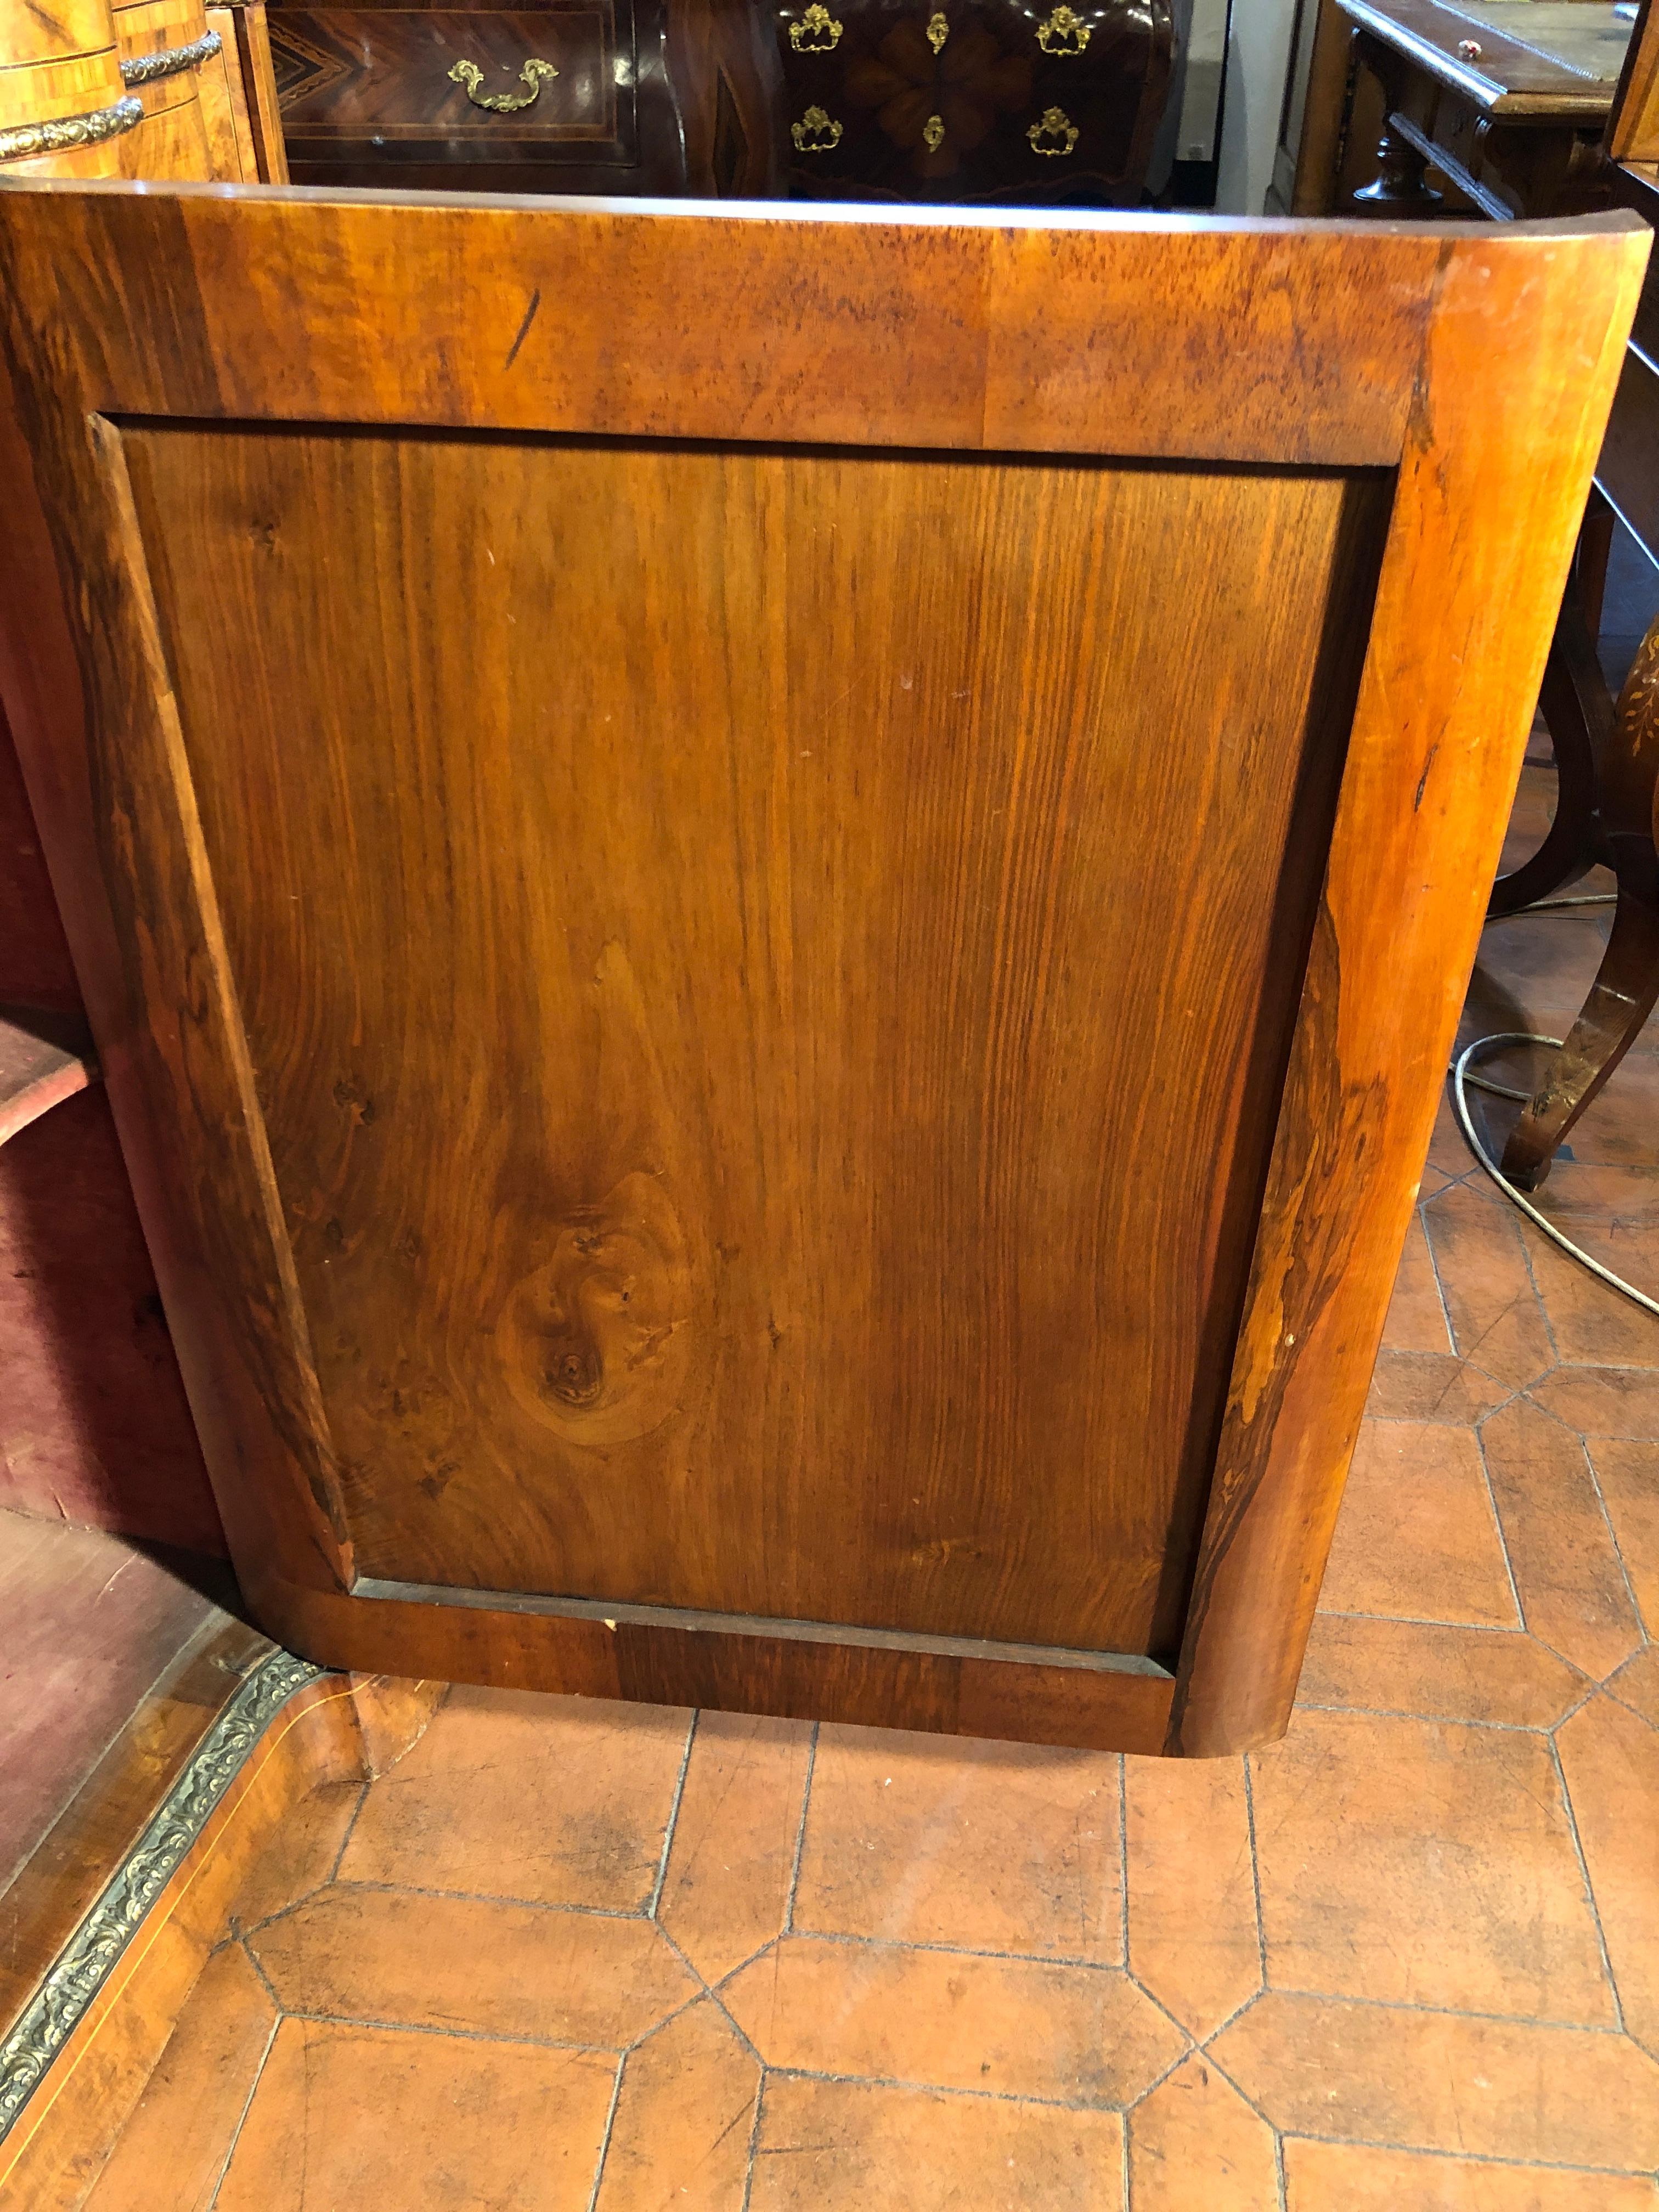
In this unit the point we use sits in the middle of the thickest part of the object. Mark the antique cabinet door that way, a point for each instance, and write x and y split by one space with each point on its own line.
774 902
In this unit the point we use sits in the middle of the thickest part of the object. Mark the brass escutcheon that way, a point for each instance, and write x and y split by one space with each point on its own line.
1063 32
937 29
1056 123
815 133
933 133
532 76
817 33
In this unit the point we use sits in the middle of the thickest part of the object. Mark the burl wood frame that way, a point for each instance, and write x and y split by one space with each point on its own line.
1477 366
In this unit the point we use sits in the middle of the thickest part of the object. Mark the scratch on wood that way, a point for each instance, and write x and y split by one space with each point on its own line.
523 327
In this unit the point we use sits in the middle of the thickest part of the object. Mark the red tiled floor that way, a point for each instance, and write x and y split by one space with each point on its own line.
1418 1537
361 2116
1004 1847
1406 1959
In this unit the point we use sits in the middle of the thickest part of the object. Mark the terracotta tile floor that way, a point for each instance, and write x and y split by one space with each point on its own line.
569 1956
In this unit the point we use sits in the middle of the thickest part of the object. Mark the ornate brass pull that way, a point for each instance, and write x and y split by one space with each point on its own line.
933 133
938 29
532 76
815 133
1064 32
817 33
1056 124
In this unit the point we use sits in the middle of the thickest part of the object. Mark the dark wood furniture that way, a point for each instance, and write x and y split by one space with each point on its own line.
724 1119
978 100
1506 103
1606 749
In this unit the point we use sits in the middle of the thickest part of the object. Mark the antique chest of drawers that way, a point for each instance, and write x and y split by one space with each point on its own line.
971 100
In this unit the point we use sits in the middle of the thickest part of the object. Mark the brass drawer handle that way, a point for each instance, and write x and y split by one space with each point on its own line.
532 76
1064 32
816 133
817 33
1055 134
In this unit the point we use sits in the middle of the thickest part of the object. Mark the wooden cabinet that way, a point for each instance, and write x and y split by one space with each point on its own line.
775 924
996 99
569 97
980 100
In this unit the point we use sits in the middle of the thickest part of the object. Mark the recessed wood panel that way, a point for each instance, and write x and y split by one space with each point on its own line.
766 975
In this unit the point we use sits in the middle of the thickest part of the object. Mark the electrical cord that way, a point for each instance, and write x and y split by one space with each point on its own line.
1462 1079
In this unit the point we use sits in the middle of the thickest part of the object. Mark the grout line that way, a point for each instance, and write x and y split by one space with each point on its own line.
1221 2026
1589 1886
604 2140
1618 1548
1475 2157
754 2138
1175 2064
1441 2011
1532 1277
241 2117
1419 1619
480 1897
240 1929
712 1991
673 1819
1434 1272
1256 1869
1278 2166
1128 2168
1068 1959
1443 1720
1579 1704
950 2089
1123 1850
1241 2094
800 1832
452 2034
258 1965
1497 1522
333 1874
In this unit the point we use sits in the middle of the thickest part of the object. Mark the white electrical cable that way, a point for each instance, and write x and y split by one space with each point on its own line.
1460 1107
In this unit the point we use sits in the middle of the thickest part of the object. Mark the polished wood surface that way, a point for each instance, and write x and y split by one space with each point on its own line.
723 962
105 1701
988 100
735 1077
996 99
61 62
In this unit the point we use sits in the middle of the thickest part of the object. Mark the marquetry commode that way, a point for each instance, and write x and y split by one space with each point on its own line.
972 100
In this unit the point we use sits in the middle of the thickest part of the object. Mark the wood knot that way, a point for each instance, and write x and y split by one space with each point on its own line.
597 1341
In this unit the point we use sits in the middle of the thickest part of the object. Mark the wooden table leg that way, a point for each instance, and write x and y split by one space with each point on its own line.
1626 985
1400 186
1580 717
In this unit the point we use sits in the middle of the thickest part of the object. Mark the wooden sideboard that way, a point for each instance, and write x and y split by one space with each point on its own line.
975 100
1504 102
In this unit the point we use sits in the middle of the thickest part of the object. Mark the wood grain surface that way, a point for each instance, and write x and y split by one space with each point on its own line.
733 1023
718 1175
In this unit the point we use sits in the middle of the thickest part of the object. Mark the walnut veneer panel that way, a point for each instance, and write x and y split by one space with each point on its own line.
768 1025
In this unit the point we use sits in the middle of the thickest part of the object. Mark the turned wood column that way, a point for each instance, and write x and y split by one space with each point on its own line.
64 110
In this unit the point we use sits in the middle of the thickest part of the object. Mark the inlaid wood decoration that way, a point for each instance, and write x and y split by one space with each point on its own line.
978 100
774 924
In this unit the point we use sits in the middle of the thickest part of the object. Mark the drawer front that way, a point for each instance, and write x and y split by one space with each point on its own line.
973 99
368 91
